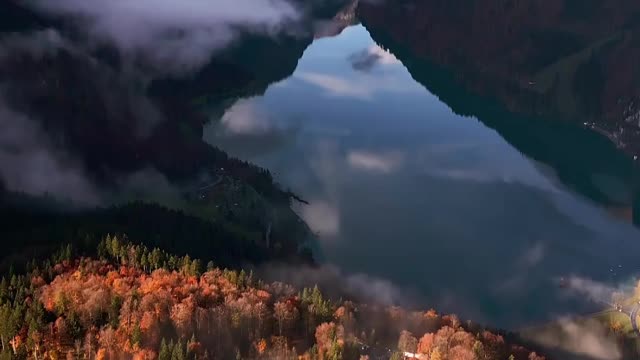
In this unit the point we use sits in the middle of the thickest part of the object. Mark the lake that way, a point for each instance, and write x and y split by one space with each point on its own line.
481 214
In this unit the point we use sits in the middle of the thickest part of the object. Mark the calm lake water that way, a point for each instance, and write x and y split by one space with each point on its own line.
477 220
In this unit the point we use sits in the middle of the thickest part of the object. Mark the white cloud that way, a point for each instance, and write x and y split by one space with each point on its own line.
375 162
588 337
169 34
322 217
29 163
595 291
336 283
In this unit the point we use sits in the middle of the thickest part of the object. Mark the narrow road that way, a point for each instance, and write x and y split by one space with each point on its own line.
634 318
631 312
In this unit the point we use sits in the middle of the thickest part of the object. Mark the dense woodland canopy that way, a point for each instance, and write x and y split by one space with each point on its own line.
134 302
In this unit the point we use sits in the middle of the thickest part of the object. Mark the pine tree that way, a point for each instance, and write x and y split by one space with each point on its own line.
68 252
6 328
115 247
250 279
178 352
144 261
195 268
34 336
136 335
114 310
4 289
102 249
316 296
478 350
242 278
165 352
74 328
186 264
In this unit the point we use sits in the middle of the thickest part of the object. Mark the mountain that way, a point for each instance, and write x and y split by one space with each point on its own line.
565 60
576 155
95 145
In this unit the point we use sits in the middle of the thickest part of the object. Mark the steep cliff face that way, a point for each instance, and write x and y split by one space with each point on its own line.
566 59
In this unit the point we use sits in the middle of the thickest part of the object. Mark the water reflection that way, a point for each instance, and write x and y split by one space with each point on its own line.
402 188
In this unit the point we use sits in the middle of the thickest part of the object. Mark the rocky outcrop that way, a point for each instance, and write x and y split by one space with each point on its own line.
343 19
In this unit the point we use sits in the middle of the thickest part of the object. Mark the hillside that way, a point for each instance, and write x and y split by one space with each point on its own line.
103 141
567 60
132 302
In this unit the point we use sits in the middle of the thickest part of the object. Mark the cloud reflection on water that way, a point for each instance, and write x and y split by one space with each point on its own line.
382 162
368 58
363 88
407 191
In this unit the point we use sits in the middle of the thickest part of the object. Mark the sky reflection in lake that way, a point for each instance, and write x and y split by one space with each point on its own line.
403 189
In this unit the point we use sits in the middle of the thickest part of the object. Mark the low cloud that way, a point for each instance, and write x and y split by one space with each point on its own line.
375 162
519 278
37 156
30 163
36 44
146 184
322 217
534 255
334 282
595 291
173 36
586 337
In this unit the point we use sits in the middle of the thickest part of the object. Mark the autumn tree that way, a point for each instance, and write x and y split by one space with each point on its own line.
426 343
407 342
124 305
330 341
286 314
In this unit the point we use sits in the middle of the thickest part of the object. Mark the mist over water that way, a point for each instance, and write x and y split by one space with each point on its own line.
443 207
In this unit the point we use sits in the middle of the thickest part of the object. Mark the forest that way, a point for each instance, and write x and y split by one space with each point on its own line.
35 227
131 301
